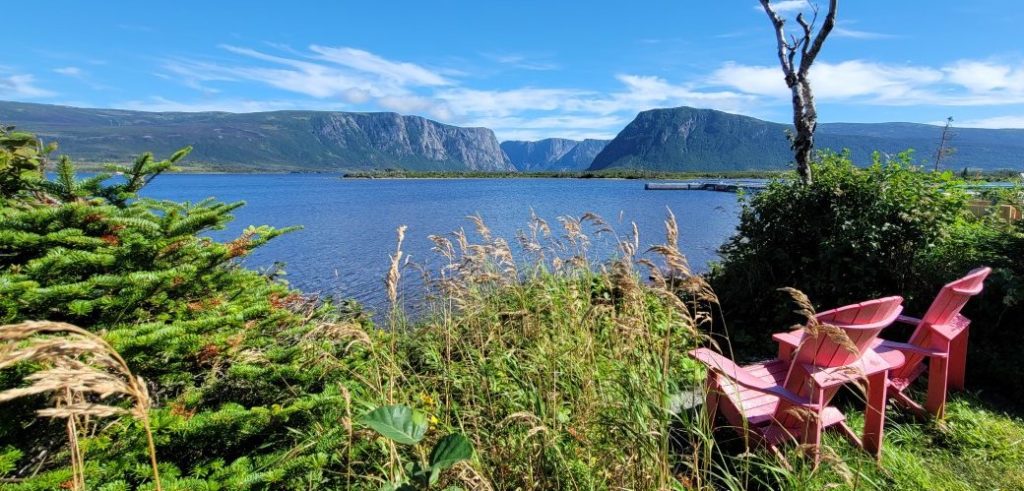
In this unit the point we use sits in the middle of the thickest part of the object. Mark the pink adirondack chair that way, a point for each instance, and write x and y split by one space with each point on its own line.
786 399
940 337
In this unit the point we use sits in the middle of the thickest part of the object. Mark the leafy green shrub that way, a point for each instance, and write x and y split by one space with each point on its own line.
406 426
853 234
994 360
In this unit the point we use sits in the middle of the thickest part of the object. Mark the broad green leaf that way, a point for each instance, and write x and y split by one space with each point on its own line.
451 449
398 423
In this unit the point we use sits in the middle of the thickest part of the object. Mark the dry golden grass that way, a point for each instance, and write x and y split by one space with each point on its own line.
81 371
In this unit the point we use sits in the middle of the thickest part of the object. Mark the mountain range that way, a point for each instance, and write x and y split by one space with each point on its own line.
278 140
675 139
689 139
552 154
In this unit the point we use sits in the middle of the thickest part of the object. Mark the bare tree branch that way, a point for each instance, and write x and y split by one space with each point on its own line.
780 38
819 40
808 44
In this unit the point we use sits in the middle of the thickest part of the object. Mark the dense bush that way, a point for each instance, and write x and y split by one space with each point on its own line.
856 234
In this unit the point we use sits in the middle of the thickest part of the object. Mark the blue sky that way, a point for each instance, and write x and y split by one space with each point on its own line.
527 69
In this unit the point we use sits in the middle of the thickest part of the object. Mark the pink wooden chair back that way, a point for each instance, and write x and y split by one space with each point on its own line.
860 322
944 310
954 296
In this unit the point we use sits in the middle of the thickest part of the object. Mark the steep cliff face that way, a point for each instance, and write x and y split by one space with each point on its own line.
552 154
280 140
536 155
689 139
582 155
695 139
381 140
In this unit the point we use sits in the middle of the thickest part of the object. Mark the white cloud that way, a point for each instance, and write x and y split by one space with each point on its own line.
70 71
345 77
993 122
161 104
981 77
464 101
787 6
844 32
963 83
402 73
522 62
21 86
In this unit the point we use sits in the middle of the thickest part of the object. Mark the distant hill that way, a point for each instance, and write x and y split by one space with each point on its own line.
689 139
552 154
279 140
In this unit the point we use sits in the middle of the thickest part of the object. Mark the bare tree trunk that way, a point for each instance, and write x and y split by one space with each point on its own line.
805 116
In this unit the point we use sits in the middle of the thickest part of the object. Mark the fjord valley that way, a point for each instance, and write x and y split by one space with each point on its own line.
682 139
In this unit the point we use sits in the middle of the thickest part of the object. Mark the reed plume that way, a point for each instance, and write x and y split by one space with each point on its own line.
80 368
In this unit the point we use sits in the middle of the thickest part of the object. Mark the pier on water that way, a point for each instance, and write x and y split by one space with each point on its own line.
728 186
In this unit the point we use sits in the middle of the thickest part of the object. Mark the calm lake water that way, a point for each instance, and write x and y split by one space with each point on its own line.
350 223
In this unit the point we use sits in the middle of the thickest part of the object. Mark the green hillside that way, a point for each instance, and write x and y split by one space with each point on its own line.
277 141
689 139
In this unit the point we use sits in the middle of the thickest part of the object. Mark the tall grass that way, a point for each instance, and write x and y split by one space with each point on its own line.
560 370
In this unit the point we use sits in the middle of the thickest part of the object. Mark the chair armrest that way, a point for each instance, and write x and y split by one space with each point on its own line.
791 338
826 377
728 368
913 349
906 319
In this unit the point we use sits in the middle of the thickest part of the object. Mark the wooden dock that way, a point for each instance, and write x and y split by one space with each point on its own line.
728 186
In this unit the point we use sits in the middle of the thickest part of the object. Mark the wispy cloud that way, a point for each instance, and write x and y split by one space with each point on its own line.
401 73
69 71
21 85
787 6
522 62
161 104
346 78
963 83
1016 121
844 32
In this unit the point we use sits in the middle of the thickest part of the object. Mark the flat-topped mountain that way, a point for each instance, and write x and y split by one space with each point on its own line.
278 140
689 139
552 154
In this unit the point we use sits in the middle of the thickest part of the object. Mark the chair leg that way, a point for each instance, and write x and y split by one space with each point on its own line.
711 401
874 414
850 435
909 404
812 428
958 360
938 374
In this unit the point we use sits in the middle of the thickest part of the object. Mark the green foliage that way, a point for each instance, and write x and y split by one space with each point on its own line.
404 425
22 157
399 424
889 229
851 235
